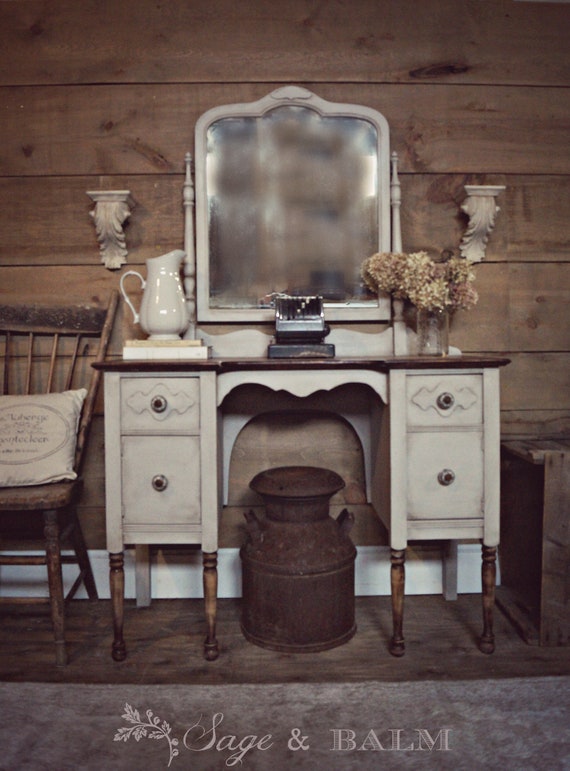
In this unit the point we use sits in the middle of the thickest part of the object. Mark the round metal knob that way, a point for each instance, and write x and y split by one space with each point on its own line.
445 401
158 403
159 483
446 477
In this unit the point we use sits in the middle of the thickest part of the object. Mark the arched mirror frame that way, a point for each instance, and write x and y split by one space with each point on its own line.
197 268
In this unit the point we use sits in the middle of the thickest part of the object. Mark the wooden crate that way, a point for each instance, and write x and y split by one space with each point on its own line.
535 539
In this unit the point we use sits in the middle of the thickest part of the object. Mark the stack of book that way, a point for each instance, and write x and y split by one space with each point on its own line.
165 349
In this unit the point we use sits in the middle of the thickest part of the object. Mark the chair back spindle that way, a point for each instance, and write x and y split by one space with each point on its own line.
29 363
6 376
52 363
72 363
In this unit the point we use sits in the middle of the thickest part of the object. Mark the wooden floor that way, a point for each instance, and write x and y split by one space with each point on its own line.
165 646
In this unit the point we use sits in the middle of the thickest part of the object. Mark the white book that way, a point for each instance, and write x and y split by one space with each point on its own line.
165 349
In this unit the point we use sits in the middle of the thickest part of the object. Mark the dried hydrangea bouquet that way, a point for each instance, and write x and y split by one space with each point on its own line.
437 288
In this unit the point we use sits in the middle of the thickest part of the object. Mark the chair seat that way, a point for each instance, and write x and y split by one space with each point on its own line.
50 496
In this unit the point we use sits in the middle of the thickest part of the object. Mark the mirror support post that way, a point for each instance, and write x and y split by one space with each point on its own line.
398 322
395 200
190 259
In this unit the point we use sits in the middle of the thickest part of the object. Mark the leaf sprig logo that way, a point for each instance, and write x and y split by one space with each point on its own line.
153 728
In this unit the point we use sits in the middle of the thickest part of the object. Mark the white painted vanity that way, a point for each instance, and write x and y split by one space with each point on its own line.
313 179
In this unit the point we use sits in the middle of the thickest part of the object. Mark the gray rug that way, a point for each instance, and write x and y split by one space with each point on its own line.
487 724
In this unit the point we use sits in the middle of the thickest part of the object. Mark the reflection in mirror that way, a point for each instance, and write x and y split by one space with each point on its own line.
292 206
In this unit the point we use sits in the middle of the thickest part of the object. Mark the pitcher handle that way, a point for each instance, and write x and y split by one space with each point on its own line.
136 316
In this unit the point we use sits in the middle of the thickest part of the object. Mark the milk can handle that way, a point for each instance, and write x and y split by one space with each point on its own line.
253 526
345 521
126 296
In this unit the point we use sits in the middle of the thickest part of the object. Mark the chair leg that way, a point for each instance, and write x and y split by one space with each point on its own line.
55 582
82 556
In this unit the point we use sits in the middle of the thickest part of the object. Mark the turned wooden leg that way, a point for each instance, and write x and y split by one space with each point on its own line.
55 582
117 583
397 581
210 575
488 576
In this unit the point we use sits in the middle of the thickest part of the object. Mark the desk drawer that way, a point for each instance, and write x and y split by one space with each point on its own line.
161 479
160 405
444 400
445 475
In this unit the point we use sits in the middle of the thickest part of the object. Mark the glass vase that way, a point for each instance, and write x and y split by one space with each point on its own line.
433 332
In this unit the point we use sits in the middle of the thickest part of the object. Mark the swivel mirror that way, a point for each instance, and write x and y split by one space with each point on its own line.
292 194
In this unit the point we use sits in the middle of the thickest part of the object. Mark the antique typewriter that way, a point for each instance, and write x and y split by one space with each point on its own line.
300 329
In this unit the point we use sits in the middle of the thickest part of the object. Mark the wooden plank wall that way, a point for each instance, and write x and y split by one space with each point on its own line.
101 94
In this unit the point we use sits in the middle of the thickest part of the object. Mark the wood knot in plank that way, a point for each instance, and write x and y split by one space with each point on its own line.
153 156
439 70
37 28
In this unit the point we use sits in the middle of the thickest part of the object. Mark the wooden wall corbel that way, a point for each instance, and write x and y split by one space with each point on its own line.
481 208
112 209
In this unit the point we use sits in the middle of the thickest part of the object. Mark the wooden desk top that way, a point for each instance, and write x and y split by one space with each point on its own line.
221 365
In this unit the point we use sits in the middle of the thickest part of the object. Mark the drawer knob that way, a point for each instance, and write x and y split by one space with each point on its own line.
159 483
445 401
158 403
446 477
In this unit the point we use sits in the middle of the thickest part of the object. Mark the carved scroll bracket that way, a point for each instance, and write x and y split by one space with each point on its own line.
481 208
112 209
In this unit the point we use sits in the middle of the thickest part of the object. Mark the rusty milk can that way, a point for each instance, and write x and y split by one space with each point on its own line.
298 563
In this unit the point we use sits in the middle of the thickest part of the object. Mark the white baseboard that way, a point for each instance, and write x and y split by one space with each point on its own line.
180 575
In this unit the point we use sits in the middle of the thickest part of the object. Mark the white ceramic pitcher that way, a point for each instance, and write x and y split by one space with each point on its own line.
163 314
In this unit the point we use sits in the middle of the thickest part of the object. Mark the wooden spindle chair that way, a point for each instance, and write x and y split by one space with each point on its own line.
49 349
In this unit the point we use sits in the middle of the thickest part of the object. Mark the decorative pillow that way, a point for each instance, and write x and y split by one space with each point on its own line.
38 436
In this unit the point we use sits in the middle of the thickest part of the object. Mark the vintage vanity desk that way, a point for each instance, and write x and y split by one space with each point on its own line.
292 193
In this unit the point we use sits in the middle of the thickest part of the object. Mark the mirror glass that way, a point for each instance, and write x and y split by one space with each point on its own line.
292 202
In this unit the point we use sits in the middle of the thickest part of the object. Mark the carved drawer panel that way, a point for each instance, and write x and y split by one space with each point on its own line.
160 404
446 400
445 475
161 481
